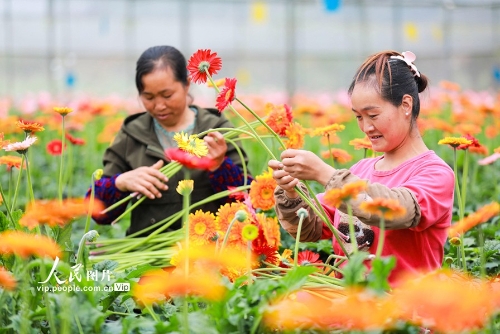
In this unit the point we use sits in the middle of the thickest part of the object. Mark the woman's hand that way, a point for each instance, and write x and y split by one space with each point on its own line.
305 165
217 148
148 181
284 180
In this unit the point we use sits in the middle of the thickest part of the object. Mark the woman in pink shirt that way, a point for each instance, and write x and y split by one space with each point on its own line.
385 101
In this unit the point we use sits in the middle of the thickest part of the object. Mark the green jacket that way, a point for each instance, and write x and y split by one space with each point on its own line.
136 145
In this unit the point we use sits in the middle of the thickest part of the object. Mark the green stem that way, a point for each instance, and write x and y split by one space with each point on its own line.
460 207
152 313
185 206
48 309
6 205
61 165
226 236
482 256
381 237
30 185
352 231
297 241
330 150
465 175
91 205
18 183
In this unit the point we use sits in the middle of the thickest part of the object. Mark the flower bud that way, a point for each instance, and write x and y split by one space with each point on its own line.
241 215
250 232
302 213
98 174
455 241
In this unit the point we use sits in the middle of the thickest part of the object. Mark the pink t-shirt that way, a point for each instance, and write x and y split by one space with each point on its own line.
431 180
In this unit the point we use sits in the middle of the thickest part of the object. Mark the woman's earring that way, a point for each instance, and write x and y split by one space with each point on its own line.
407 114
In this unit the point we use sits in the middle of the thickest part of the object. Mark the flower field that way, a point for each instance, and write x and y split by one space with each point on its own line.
236 270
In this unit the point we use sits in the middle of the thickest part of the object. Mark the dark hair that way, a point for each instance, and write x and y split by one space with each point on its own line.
393 78
162 56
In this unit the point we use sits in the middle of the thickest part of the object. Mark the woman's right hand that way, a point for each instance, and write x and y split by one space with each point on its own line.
148 181
284 180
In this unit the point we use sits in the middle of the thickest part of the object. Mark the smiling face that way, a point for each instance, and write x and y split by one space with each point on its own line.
387 126
164 97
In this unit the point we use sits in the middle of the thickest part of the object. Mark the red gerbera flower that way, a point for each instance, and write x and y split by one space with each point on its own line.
307 257
226 96
201 63
74 140
189 160
54 147
236 194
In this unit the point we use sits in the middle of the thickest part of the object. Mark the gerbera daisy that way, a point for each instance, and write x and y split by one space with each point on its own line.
361 143
63 111
335 197
236 194
54 147
3 143
278 118
21 147
295 134
189 160
384 207
74 140
489 160
270 229
470 301
328 130
185 187
226 96
7 280
266 253
307 257
191 144
249 232
482 215
29 127
201 227
201 63
56 213
339 155
286 257
455 141
25 244
225 216
11 161
262 191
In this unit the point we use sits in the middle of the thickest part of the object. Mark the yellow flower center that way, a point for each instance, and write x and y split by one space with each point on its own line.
200 228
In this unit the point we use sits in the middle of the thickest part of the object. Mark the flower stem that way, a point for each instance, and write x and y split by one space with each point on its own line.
61 165
91 205
226 236
30 185
460 207
297 241
352 231
18 182
185 206
381 237
6 205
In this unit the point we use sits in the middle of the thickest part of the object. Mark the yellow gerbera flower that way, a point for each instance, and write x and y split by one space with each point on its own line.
328 130
63 111
455 141
191 144
185 187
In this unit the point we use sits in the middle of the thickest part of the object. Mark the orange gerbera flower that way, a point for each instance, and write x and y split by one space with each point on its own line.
468 129
455 141
339 310
482 215
226 96
63 111
54 147
7 280
335 197
262 191
295 134
278 118
56 213
201 63
202 227
25 244
3 143
328 130
457 304
338 154
384 207
225 216
307 257
11 161
29 127
156 285
270 229
361 143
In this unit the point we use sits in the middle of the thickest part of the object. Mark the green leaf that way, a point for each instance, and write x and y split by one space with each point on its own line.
295 278
381 269
355 269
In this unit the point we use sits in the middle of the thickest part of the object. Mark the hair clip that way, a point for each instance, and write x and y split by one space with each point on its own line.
409 57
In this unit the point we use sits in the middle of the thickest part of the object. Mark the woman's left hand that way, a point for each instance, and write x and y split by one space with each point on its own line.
217 148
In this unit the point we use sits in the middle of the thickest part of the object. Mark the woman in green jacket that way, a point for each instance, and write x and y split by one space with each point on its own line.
132 162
